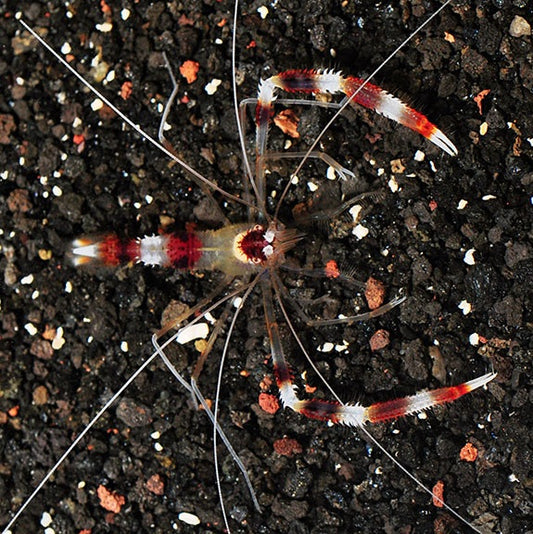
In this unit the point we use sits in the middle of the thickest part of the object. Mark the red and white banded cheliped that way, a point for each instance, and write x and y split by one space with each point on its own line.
357 91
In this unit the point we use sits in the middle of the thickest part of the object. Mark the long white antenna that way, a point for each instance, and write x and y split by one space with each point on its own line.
128 121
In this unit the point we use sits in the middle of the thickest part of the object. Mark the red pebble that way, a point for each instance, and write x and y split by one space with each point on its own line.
269 403
287 447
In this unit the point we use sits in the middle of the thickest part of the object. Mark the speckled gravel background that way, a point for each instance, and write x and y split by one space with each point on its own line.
337 483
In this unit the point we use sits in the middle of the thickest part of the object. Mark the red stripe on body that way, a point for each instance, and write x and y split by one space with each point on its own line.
115 251
184 250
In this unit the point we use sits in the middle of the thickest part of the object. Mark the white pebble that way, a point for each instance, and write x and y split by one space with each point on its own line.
27 280
360 231
419 155
469 257
189 518
105 27
212 86
465 307
462 204
124 346
312 187
68 287
46 519
66 49
97 104
355 212
125 14
473 339
209 318
195 331
263 12
58 340
326 347
30 328
393 184
343 347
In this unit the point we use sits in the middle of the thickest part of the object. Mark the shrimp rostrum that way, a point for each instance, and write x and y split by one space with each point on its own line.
261 254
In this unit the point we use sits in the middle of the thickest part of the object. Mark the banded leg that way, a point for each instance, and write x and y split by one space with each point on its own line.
354 415
260 159
199 311
365 316
163 140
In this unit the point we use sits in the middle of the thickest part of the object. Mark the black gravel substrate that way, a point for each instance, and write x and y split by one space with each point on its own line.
156 450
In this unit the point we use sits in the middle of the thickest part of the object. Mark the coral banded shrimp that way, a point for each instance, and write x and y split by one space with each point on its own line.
269 244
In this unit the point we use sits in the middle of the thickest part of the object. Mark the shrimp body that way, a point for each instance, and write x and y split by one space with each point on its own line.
235 249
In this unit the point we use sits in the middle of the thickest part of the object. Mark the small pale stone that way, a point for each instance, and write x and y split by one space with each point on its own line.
465 307
263 12
419 155
97 104
469 257
30 328
212 86
46 519
190 333
189 518
393 184
27 280
360 231
519 27
473 339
